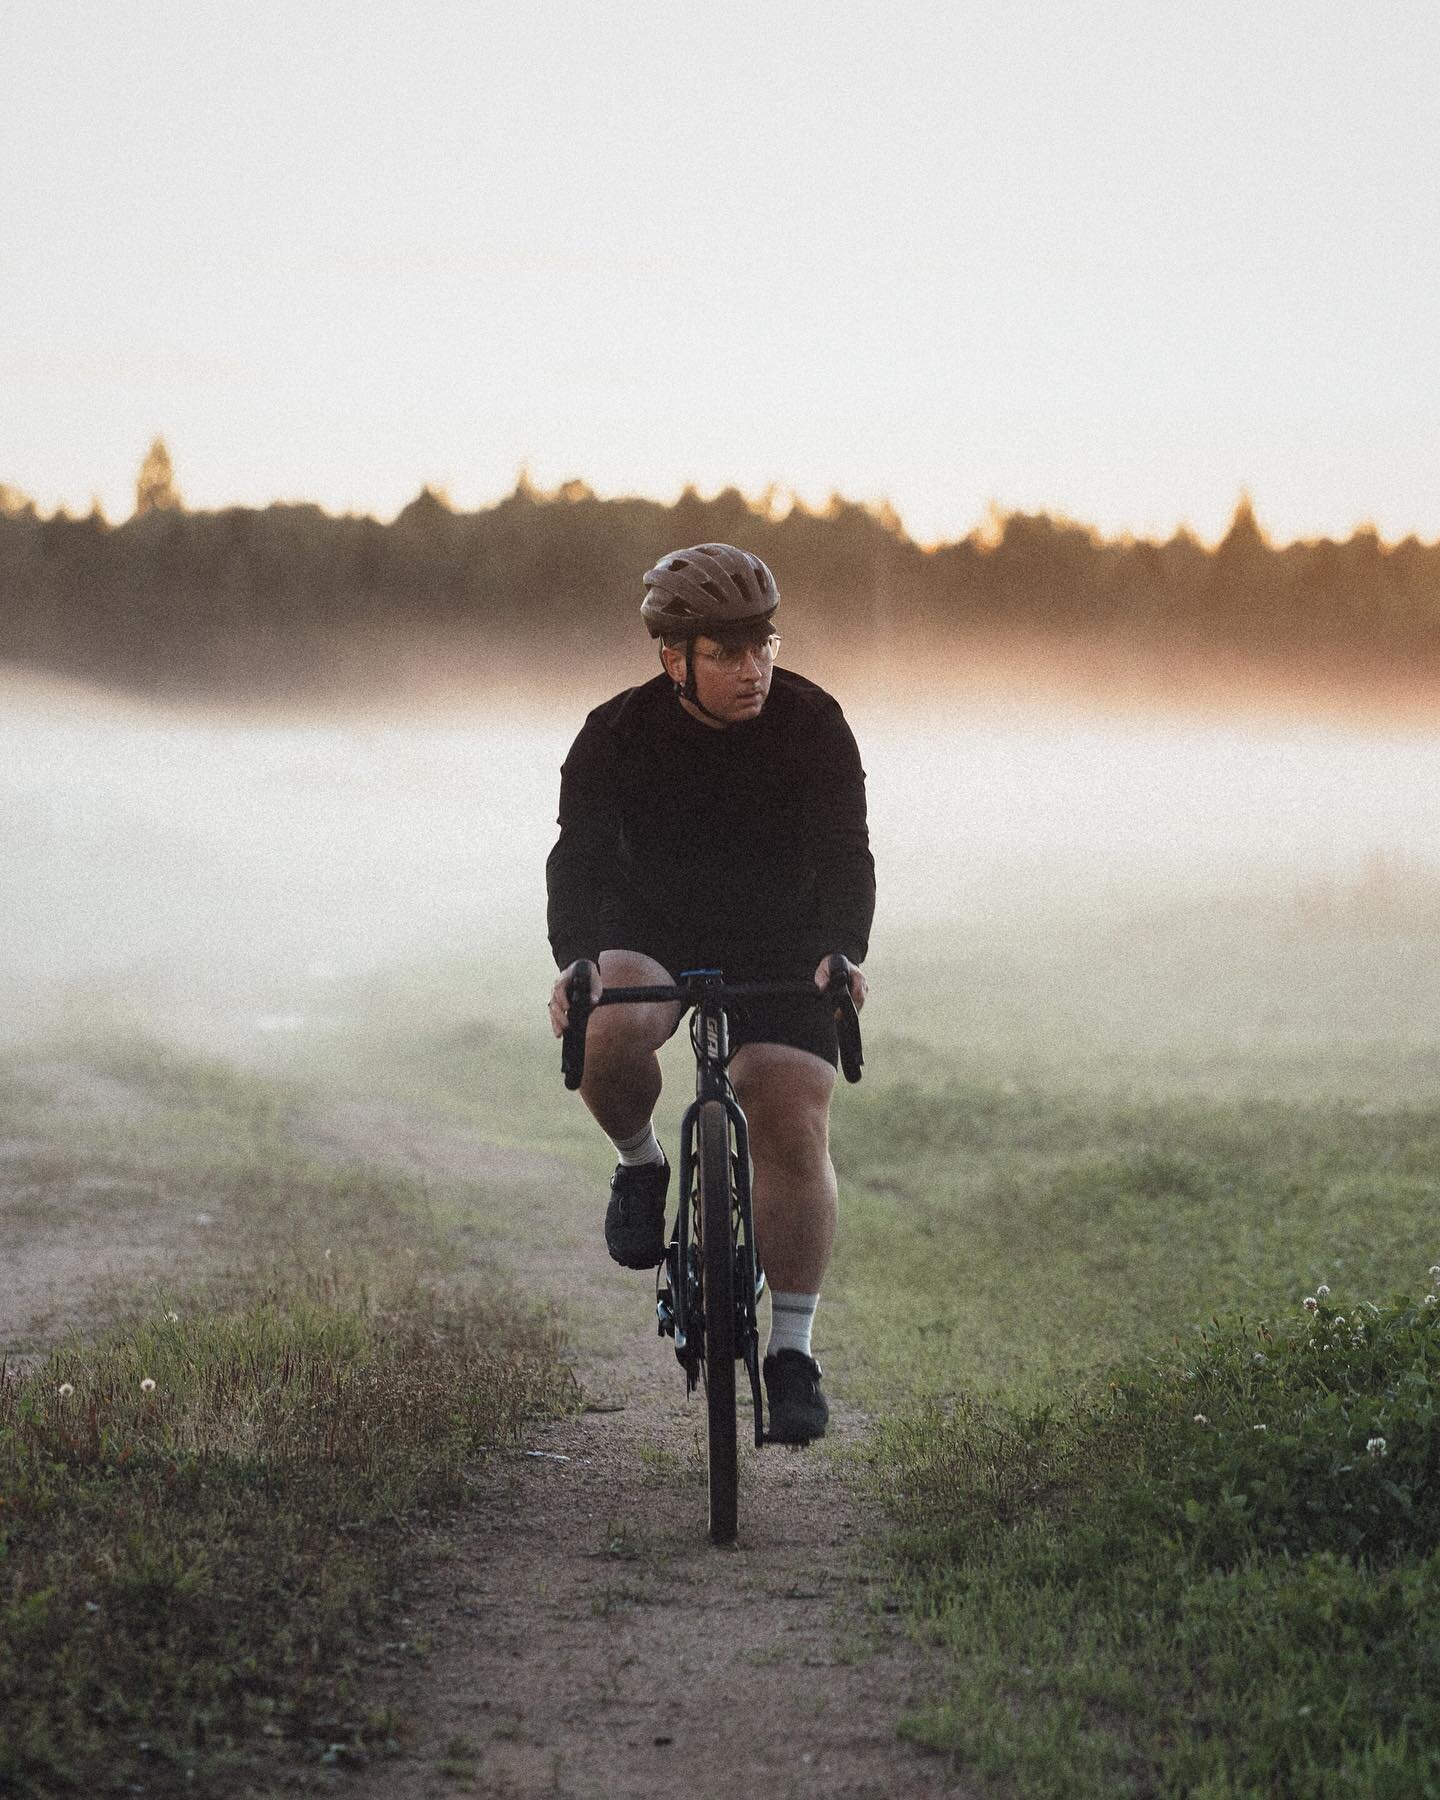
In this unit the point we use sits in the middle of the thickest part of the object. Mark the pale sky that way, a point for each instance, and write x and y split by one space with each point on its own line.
1115 260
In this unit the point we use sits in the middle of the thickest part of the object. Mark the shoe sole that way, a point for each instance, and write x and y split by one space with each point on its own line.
639 1267
796 1436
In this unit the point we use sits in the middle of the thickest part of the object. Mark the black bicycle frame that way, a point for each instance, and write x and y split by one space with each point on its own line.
710 1034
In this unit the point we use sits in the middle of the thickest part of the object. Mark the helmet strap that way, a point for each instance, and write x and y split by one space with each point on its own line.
687 690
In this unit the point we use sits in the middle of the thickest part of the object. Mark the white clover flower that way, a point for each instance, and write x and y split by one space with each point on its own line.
1310 1303
147 1386
173 1317
1259 1359
1429 1300
65 1390
1339 1318
1323 1291
1200 1419
1259 1427
1435 1271
1375 1446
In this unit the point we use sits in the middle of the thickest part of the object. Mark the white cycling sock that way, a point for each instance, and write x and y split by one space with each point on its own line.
636 1152
791 1316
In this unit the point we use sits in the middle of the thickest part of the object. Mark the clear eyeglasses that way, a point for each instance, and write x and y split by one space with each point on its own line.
732 656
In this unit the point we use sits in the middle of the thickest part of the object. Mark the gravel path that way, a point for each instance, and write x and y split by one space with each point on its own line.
584 1637
581 1636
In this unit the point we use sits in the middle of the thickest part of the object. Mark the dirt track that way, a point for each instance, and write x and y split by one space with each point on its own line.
585 1638
582 1637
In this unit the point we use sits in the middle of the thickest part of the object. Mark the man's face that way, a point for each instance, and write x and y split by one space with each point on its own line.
732 681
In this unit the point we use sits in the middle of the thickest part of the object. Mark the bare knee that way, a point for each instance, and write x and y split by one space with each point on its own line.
787 1105
794 1147
621 1041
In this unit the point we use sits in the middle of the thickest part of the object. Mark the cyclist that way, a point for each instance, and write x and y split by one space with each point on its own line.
715 817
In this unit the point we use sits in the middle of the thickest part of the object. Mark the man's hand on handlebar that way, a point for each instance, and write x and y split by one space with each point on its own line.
859 986
560 997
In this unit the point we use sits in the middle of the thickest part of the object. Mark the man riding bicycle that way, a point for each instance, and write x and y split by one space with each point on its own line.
715 817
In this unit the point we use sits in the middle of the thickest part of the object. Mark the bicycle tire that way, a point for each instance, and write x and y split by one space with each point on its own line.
717 1244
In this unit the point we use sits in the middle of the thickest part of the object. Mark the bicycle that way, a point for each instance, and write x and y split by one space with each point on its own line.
711 1279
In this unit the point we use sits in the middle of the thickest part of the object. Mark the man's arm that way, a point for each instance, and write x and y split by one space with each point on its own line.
580 870
844 867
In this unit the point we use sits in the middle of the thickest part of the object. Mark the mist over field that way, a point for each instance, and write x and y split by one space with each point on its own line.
1054 882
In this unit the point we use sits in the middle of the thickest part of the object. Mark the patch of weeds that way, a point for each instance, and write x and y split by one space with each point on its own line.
458 1759
854 1640
1211 1573
208 1516
664 1466
621 1596
622 1542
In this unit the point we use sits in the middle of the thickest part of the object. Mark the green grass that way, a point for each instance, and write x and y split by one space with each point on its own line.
194 1568
212 1506
1215 1575
1131 1602
1010 1238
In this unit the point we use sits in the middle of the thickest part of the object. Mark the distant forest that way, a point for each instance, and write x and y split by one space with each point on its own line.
254 601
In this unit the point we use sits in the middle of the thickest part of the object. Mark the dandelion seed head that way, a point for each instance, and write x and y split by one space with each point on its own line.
1259 1359
1376 1446
1259 1427
147 1386
1323 1291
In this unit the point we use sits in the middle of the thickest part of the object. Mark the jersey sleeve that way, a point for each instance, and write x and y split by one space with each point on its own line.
844 867
579 871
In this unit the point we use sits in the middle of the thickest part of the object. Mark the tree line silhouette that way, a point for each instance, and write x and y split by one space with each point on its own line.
254 600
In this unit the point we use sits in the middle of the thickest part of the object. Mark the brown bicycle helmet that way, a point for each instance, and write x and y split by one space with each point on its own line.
708 589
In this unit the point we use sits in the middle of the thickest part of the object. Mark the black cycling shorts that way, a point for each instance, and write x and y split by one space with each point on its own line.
801 1022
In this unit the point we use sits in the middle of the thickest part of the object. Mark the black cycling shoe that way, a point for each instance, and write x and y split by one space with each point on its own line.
798 1411
635 1217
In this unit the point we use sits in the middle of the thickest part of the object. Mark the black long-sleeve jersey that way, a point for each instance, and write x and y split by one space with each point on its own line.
754 834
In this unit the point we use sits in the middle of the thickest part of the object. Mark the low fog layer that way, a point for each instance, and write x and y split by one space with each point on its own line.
226 877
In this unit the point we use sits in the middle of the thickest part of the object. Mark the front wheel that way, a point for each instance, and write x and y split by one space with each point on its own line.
716 1220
